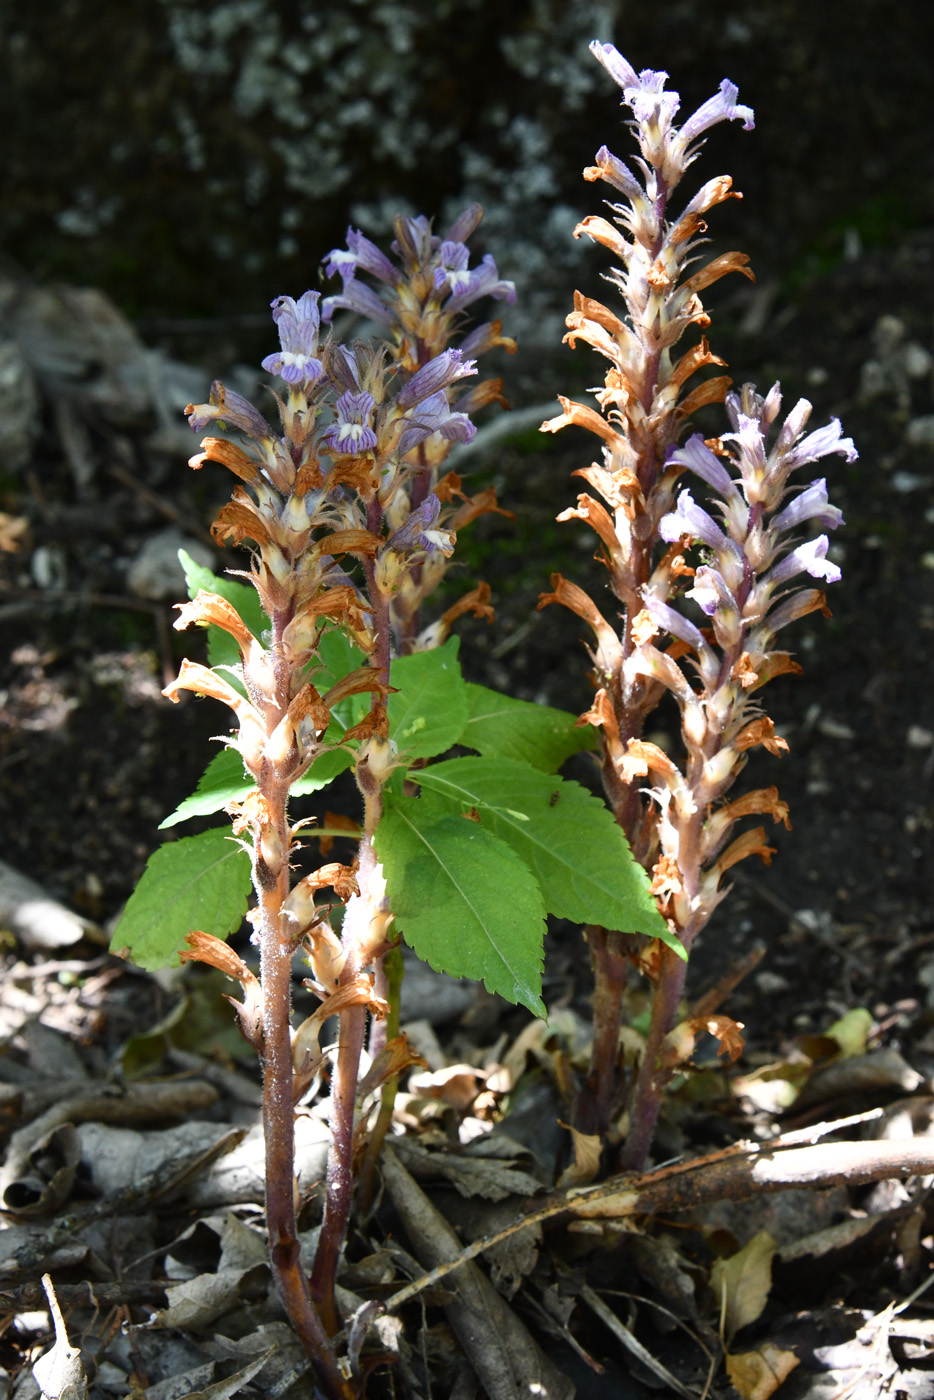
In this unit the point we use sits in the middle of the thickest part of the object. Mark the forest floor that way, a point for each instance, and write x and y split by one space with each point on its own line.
92 758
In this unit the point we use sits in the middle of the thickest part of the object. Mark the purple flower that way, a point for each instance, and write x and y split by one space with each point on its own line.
484 281
231 409
357 296
619 68
465 224
420 531
721 108
810 504
452 274
696 455
651 105
360 253
298 323
688 518
807 558
434 415
710 591
673 622
617 173
439 372
352 433
821 443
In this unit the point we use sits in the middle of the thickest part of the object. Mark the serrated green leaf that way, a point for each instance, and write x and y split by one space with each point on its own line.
338 657
200 882
224 780
323 771
567 837
463 899
222 649
501 727
429 710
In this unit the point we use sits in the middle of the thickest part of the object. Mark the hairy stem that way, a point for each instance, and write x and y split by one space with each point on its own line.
278 1116
653 1075
356 938
602 1093
388 985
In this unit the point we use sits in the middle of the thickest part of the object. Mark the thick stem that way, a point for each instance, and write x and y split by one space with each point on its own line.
356 937
389 986
653 1075
339 1193
279 1129
602 1094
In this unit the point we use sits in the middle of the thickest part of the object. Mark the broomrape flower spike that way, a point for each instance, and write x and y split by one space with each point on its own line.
417 301
350 523
746 582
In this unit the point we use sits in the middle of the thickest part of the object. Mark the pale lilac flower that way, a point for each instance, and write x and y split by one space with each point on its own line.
484 281
810 504
298 323
821 443
357 296
619 68
721 108
361 252
421 531
352 433
688 518
674 622
617 173
807 558
703 463
710 591
444 369
434 415
231 410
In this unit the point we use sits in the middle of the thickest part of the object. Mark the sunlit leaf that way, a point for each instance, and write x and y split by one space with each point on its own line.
742 1282
428 712
758 1374
500 727
464 900
565 835
200 882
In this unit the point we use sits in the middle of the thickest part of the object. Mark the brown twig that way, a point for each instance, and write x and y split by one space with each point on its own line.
736 1173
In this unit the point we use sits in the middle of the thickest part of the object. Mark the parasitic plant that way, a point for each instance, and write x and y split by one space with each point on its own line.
329 662
350 524
678 821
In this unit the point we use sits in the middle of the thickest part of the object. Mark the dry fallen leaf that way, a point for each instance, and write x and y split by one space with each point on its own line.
586 1164
742 1283
59 1374
758 1374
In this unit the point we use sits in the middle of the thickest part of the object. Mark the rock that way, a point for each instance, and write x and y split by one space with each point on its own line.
156 572
19 408
37 920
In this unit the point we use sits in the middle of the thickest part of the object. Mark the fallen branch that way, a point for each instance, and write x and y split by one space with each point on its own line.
736 1173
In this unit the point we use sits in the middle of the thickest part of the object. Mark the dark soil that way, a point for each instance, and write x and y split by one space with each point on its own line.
92 757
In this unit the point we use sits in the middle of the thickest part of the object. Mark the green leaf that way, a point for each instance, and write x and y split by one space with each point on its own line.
200 882
323 771
429 712
463 899
222 649
500 727
338 657
224 780
565 835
